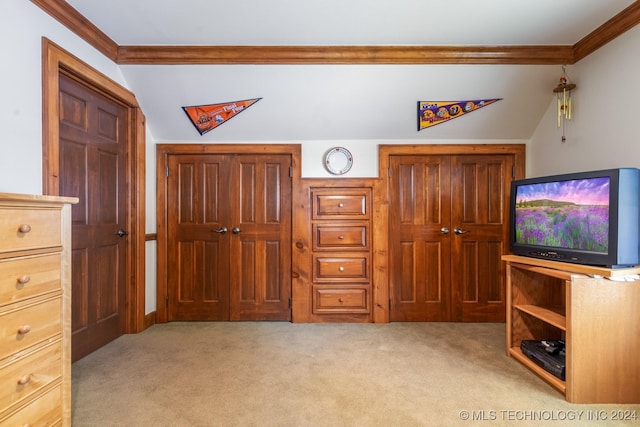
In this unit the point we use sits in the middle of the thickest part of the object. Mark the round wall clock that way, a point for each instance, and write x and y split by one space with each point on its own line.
338 160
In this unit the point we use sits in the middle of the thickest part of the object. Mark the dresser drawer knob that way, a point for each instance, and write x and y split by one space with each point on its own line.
340 237
24 228
341 205
23 280
340 299
341 268
23 330
24 380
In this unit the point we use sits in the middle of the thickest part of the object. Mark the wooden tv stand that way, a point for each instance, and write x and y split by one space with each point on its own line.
597 316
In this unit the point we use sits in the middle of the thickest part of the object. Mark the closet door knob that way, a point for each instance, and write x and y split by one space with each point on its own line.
235 230
221 230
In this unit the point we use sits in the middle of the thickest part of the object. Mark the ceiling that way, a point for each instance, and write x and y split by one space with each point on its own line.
348 22
315 102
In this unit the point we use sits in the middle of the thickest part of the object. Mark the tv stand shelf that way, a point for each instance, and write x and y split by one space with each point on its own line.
597 317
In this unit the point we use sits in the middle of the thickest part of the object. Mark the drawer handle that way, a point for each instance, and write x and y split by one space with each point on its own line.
341 268
341 205
23 280
24 380
340 237
340 300
24 228
25 329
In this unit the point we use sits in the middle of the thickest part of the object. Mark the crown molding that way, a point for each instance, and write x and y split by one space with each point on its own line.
81 26
619 24
541 55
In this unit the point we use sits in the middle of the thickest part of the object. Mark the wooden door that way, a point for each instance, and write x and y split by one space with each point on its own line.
261 237
447 231
419 238
229 233
480 195
199 213
93 134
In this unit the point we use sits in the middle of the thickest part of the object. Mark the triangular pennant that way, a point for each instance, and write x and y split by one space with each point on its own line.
431 113
208 117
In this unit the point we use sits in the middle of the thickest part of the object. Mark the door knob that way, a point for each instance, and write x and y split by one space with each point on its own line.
444 230
235 230
122 233
221 230
459 230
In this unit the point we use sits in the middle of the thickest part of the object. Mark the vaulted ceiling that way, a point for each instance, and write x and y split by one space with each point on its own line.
315 60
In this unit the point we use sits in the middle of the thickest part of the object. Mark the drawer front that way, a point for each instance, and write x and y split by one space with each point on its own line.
341 300
29 375
341 269
22 278
341 203
22 229
45 411
328 237
43 321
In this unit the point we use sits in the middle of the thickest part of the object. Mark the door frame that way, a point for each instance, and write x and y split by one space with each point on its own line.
162 153
55 61
381 280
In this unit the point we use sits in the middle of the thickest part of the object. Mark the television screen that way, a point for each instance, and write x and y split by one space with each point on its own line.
571 214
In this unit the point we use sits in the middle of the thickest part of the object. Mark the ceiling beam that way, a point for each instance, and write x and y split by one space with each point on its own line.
541 55
345 55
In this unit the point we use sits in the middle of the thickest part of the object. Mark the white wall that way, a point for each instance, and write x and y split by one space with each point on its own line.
22 26
605 129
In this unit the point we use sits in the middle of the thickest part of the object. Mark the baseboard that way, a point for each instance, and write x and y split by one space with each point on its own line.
149 320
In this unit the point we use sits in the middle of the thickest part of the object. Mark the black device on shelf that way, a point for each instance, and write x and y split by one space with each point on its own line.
548 354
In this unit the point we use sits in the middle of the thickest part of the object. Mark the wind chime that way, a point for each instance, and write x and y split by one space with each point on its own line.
563 93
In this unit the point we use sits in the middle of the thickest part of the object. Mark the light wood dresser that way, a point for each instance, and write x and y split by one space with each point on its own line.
35 310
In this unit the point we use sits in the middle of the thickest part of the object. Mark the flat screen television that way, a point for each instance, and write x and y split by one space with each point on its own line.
590 218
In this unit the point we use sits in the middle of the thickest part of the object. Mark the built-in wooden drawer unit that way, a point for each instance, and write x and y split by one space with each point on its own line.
341 268
344 203
24 229
332 237
26 277
30 374
341 300
25 325
340 231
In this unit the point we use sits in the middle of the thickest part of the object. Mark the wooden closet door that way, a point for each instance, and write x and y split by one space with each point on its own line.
229 237
199 213
447 231
419 247
480 194
260 237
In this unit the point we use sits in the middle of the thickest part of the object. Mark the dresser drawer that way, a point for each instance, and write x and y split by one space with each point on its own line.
29 375
22 229
340 300
341 203
39 321
46 411
329 237
341 269
22 278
